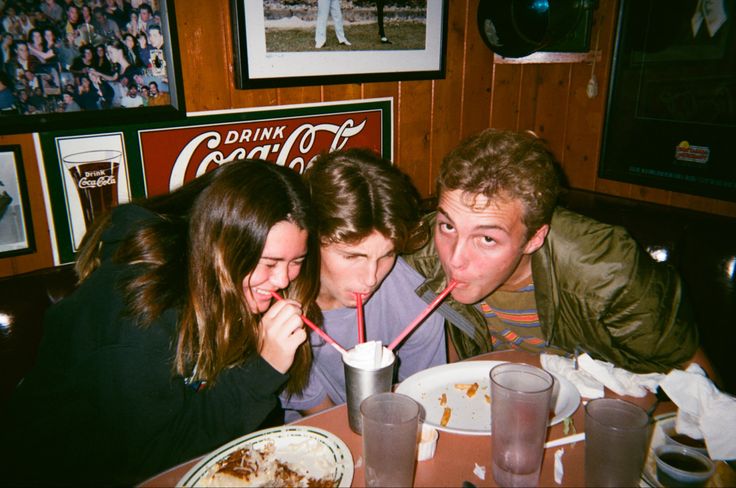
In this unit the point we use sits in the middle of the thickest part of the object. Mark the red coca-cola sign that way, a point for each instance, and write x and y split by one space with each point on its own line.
176 155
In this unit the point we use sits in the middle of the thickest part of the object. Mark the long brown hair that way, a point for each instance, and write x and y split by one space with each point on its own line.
194 258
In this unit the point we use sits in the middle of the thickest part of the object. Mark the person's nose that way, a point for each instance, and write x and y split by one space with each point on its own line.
280 277
458 255
370 274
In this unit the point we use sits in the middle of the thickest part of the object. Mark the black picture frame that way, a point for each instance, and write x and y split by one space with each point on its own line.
670 118
267 55
44 110
16 226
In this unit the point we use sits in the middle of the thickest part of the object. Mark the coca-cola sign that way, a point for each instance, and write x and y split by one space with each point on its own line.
88 172
175 155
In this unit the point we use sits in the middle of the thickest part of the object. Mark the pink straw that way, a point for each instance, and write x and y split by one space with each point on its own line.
361 322
423 315
312 325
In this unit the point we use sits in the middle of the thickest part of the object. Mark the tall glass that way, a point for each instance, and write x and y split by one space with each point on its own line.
616 433
95 175
390 434
521 396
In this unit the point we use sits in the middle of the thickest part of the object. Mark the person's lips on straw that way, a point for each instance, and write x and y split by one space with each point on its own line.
314 327
409 328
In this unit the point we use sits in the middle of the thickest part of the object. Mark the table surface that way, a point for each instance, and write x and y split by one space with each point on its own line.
456 455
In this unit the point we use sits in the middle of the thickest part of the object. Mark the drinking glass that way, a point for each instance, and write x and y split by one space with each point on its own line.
521 396
616 434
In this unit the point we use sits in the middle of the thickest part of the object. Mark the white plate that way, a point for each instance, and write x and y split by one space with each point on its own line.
471 416
336 459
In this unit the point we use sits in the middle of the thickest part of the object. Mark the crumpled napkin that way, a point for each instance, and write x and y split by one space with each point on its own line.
704 411
588 386
592 375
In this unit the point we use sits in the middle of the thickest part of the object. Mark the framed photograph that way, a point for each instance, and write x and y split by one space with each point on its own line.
16 229
671 118
67 66
308 42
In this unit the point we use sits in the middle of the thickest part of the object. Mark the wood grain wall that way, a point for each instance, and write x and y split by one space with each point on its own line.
430 116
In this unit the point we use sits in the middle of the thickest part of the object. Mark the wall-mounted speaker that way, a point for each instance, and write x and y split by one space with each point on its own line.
518 28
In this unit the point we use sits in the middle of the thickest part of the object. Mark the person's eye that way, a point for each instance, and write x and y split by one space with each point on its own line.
487 240
445 227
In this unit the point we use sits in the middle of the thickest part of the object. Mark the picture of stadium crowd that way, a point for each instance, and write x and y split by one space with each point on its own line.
79 55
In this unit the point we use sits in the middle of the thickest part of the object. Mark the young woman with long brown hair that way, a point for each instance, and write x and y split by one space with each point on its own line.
172 344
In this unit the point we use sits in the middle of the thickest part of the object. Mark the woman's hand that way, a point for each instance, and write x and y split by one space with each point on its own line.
282 331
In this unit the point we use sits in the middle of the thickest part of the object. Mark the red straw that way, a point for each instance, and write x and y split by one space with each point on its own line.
312 325
361 322
423 315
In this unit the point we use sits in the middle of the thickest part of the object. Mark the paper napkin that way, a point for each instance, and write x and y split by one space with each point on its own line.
592 375
618 380
587 385
704 411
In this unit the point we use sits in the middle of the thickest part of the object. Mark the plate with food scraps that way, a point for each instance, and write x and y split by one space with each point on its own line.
290 455
457 397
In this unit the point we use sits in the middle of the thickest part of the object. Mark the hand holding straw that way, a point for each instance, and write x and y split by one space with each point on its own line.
314 327
423 315
361 321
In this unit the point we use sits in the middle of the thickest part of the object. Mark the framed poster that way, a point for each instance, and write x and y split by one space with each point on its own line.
280 43
671 114
82 66
16 228
86 173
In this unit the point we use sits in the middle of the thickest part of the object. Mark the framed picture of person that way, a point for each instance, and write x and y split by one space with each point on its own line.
297 43
16 229
75 64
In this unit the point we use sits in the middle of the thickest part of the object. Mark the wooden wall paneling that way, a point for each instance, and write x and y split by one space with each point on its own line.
553 105
448 93
298 94
336 93
413 134
386 90
613 187
703 204
650 194
505 93
205 53
528 94
42 257
477 77
584 122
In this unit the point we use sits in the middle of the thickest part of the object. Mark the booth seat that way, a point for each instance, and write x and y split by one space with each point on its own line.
701 246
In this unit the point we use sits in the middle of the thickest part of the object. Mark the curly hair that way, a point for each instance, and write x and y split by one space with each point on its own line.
505 165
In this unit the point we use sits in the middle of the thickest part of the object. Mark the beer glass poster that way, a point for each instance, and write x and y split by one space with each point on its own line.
94 178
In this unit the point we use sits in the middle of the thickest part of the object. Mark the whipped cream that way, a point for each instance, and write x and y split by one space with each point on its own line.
369 355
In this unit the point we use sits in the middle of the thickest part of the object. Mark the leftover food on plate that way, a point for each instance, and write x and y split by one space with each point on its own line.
262 467
280 456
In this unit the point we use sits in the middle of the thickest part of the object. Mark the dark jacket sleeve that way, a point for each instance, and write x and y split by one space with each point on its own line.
596 288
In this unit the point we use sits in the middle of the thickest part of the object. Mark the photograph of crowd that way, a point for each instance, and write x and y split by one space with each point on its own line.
81 55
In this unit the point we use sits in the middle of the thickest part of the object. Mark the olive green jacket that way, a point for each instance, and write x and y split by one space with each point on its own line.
596 289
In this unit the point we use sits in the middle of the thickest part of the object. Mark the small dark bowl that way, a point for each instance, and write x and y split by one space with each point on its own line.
682 466
681 440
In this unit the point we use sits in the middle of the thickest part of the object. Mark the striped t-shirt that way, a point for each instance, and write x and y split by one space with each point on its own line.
513 320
